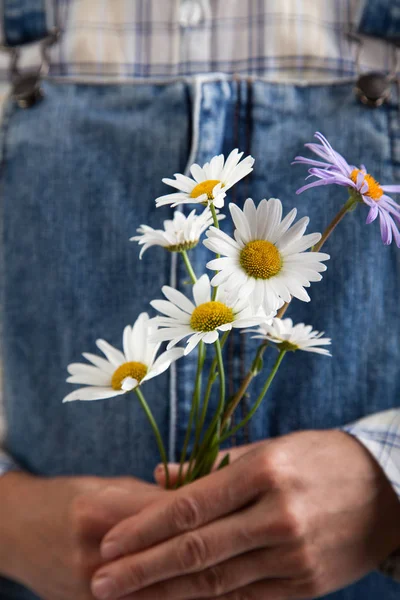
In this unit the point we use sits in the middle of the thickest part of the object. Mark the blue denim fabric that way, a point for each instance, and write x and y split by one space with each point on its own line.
381 18
24 21
80 172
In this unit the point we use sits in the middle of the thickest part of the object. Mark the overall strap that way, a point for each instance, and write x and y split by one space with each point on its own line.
25 21
381 18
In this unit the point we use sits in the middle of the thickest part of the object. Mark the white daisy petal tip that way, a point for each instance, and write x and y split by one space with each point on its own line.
120 372
180 234
208 183
290 337
204 320
266 259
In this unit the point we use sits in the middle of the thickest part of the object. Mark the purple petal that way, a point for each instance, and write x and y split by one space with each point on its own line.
386 229
395 189
396 234
372 214
311 185
302 160
337 158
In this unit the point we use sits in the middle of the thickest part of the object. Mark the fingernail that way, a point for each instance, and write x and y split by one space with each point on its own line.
110 550
103 587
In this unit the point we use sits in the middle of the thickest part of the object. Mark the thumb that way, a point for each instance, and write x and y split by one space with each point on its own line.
173 471
173 468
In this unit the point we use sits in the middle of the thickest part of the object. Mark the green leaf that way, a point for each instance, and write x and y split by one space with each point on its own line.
224 462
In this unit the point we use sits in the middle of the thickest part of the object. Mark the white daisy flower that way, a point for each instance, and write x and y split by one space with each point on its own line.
209 182
266 261
292 337
122 371
202 320
180 233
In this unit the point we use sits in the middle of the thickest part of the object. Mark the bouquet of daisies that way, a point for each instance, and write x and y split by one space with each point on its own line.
269 261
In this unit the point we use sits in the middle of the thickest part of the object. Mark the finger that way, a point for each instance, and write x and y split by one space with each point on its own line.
233 574
195 551
267 590
95 513
173 468
186 509
173 471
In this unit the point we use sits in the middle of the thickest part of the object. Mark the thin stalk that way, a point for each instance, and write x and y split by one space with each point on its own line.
210 382
157 434
188 266
244 385
328 231
259 399
333 224
216 224
217 417
214 215
250 414
194 409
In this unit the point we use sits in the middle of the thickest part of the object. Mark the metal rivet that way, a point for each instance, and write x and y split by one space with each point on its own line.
373 89
26 91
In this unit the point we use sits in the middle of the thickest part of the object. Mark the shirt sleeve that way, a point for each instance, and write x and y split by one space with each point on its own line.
380 434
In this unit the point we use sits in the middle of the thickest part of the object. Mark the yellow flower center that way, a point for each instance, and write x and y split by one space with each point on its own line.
210 315
205 187
260 259
137 370
375 192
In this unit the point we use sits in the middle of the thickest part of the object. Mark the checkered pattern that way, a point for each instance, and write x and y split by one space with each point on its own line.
380 434
279 39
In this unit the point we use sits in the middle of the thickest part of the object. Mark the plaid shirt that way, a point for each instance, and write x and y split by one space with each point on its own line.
281 40
278 39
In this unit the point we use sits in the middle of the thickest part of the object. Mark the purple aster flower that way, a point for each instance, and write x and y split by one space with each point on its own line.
334 169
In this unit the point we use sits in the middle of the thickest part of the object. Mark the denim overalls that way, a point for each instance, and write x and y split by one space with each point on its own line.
80 172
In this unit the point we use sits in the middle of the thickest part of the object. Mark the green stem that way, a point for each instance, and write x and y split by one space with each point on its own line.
204 449
259 399
351 202
188 266
214 215
245 384
216 224
221 371
194 410
156 431
250 414
210 382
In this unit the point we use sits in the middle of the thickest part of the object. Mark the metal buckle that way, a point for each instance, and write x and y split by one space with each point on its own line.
26 89
373 87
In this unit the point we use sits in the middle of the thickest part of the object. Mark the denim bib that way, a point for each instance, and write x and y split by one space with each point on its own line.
80 171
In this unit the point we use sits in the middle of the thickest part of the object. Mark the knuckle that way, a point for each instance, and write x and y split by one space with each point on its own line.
193 552
212 581
271 469
185 514
292 522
